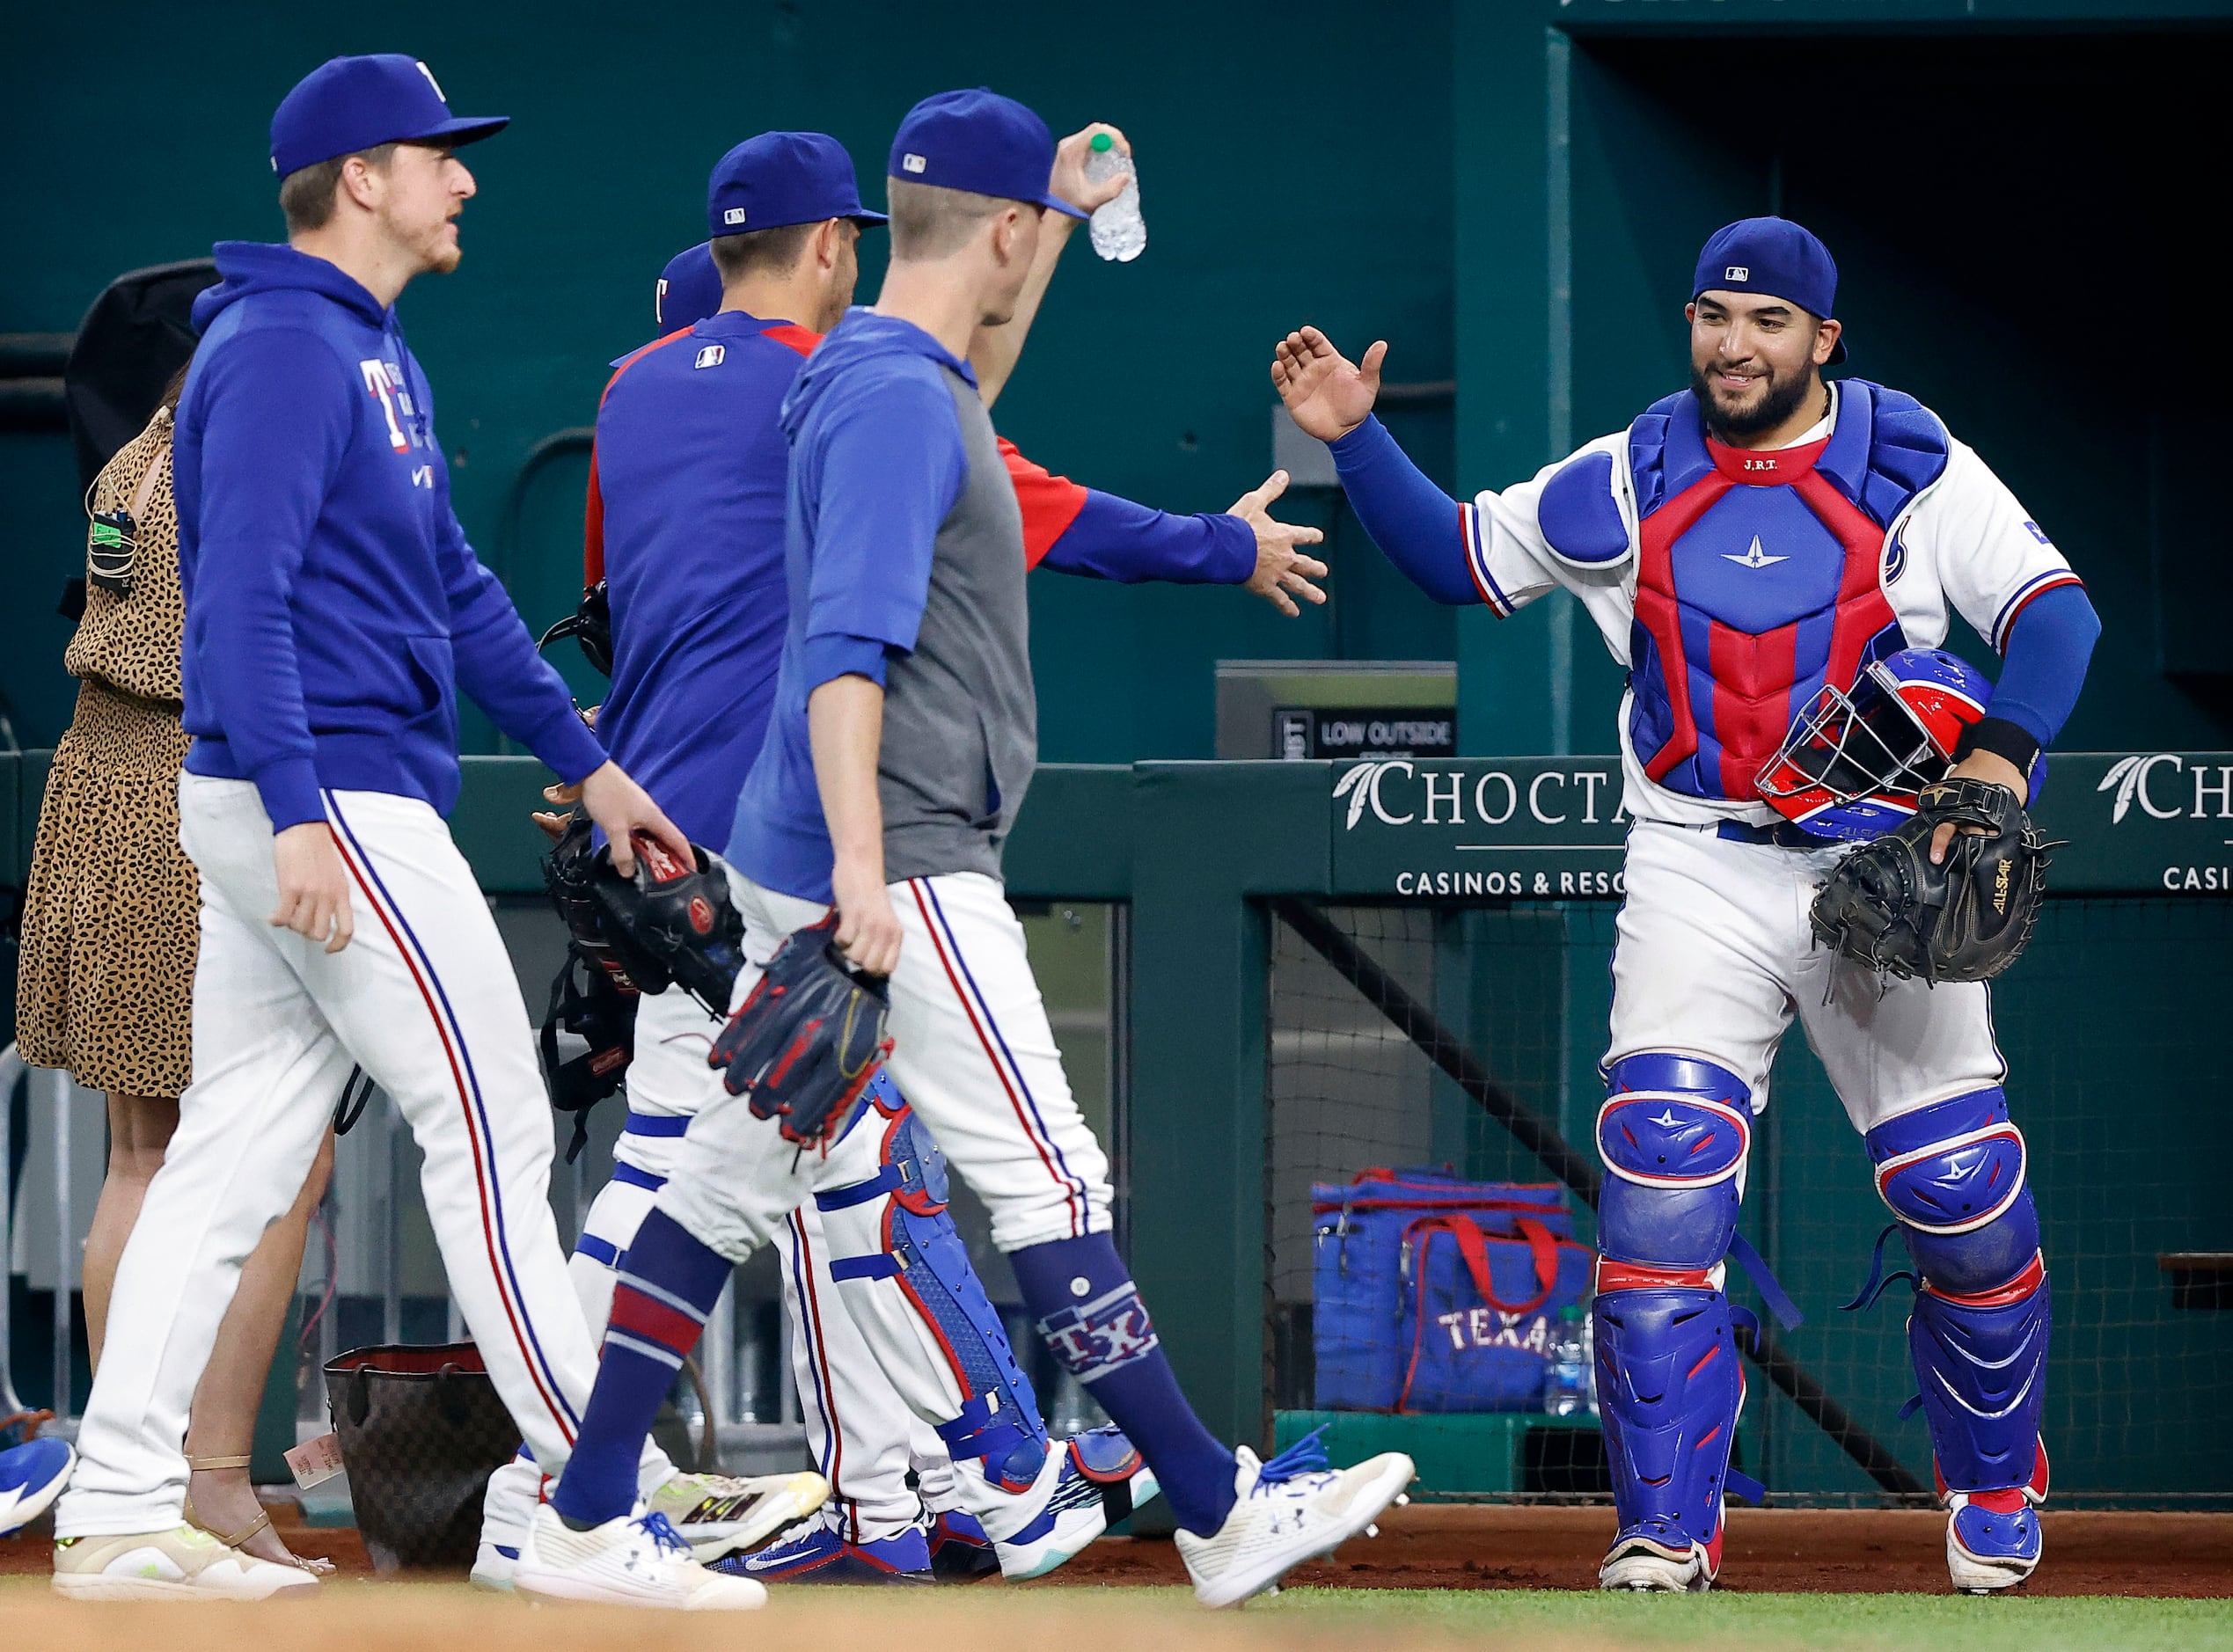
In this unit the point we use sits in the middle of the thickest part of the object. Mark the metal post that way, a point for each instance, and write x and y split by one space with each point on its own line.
65 1244
718 1356
11 1074
391 1214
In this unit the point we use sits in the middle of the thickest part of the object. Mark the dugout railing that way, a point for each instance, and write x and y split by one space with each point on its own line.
1315 967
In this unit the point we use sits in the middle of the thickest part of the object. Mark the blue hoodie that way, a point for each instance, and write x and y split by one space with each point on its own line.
877 461
333 607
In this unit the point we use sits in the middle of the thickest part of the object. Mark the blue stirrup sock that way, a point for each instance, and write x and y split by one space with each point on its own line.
1089 1311
668 1284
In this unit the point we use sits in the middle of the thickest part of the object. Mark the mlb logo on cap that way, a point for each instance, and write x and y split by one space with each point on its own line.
911 162
1736 273
733 215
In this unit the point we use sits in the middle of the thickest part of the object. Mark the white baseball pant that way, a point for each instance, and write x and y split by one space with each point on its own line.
1715 955
424 999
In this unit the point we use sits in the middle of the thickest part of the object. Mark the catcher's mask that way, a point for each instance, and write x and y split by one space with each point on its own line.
1853 762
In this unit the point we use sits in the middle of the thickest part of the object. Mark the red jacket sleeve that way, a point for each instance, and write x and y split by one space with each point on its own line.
1051 503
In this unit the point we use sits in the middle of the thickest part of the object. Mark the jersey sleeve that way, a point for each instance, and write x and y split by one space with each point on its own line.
1991 559
1507 558
1049 503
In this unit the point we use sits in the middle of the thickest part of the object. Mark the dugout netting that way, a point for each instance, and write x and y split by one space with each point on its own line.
2113 1028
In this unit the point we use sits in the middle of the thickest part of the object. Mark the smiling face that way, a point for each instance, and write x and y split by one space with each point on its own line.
1755 359
424 189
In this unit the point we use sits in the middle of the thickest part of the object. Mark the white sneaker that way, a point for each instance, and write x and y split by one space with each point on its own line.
1644 1567
718 1513
1290 1510
184 1563
636 1561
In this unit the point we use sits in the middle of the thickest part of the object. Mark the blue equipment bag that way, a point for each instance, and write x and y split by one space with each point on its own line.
1482 1308
1365 1299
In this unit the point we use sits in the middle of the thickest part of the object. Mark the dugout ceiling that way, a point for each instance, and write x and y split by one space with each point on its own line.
2017 199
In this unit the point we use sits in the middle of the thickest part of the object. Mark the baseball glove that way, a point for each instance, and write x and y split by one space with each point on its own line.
1965 920
673 922
808 1039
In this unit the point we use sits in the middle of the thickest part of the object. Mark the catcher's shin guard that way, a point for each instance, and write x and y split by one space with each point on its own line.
1953 1173
1674 1133
998 1423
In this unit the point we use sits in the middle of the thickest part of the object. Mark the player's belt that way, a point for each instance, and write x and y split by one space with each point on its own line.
1783 835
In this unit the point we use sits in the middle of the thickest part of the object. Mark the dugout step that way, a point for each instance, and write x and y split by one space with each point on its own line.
1465 1454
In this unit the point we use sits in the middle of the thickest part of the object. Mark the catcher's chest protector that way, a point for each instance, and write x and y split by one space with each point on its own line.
1757 578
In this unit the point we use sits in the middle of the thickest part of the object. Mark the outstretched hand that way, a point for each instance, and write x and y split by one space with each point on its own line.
1068 180
622 808
1327 395
1280 566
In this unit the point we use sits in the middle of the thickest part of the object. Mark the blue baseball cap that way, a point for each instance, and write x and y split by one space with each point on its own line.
980 141
689 290
1773 257
350 104
781 177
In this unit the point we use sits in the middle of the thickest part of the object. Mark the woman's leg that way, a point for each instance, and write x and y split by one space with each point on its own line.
139 1128
222 1425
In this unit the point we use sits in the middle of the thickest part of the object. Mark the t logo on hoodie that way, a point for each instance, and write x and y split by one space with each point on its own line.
379 379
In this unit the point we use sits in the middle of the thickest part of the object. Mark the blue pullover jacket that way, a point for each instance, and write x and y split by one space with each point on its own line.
334 607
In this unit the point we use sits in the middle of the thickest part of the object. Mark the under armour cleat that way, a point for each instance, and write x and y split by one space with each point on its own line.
1288 1510
718 1515
1992 1539
1090 1482
638 1559
825 1552
184 1563
960 1553
1646 1565
32 1476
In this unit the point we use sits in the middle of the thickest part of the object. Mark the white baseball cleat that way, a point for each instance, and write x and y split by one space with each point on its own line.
1290 1509
636 1561
1992 1540
716 1514
184 1563
1645 1566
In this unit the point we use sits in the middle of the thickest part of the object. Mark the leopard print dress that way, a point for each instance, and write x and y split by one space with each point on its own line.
112 911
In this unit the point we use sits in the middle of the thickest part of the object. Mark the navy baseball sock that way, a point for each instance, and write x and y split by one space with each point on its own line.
669 1282
1090 1314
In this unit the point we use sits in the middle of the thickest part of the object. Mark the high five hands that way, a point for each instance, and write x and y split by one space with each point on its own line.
1280 566
1327 395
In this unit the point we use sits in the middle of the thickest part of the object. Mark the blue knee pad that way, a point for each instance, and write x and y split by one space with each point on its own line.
1000 1419
1674 1132
1953 1174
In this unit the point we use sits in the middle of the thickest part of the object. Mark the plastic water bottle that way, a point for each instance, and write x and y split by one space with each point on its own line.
1118 231
1567 1389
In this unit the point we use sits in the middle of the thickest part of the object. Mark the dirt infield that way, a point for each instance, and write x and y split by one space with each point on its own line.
1768 1551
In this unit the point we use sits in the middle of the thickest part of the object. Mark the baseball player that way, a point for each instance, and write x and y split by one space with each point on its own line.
685 524
332 610
898 748
1743 544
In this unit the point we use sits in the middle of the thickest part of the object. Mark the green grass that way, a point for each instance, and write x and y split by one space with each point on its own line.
1906 1623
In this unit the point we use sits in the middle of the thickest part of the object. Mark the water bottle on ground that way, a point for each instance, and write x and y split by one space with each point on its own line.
1118 231
1567 1386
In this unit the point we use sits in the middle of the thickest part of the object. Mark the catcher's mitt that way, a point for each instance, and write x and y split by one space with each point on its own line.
808 1039
1965 920
672 922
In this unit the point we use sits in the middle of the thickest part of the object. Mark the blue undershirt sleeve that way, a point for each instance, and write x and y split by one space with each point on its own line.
1414 523
2045 664
1113 538
886 465
276 414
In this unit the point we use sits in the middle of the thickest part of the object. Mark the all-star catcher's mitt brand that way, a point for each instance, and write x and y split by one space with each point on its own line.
808 1039
1965 919
672 922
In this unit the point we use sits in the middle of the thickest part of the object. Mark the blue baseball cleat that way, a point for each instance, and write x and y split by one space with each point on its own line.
1095 1480
823 1553
32 1476
960 1551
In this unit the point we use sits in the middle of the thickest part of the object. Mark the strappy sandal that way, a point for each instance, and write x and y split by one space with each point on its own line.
317 1568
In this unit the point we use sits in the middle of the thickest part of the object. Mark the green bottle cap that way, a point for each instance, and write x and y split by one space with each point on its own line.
1103 143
